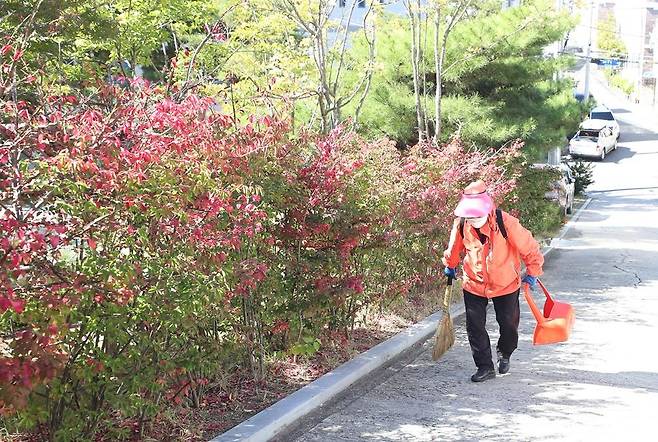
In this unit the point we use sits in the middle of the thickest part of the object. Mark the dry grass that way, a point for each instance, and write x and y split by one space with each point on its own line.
222 411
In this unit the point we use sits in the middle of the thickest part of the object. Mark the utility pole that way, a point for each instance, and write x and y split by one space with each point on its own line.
589 52
654 45
554 155
643 21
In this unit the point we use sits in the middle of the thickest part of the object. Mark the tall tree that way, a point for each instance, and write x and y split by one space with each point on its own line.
79 39
608 39
329 42
495 84
415 12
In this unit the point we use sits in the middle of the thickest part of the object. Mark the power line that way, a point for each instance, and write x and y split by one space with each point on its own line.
610 54
634 8
608 30
621 60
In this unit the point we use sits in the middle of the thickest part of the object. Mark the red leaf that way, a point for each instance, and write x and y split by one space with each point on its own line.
55 241
7 301
60 229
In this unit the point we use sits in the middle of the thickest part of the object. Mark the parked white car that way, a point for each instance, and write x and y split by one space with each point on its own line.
605 115
594 139
563 189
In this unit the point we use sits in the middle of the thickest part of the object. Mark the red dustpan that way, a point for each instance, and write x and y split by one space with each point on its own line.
557 321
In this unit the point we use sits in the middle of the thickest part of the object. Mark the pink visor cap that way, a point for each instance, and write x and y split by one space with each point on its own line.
475 201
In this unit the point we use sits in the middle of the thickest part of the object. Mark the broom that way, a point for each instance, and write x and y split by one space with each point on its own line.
445 332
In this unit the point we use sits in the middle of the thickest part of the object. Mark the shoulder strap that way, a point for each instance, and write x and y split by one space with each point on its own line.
499 221
501 224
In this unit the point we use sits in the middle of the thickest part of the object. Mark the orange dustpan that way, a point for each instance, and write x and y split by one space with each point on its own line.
557 321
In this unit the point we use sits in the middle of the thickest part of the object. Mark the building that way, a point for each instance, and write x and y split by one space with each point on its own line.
359 8
605 10
648 70
342 9
510 3
637 21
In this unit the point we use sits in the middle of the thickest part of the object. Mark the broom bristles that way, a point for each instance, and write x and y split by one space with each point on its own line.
445 337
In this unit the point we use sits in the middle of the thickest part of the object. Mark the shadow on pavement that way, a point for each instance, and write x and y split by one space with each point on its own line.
621 153
632 137
607 272
624 204
591 216
625 189
620 110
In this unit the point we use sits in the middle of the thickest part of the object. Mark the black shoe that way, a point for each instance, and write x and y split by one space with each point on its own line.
503 365
483 374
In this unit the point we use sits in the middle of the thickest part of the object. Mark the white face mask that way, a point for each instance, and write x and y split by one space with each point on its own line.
477 222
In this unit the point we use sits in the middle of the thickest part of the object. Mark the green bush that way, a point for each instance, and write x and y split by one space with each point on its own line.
529 204
583 174
192 246
616 80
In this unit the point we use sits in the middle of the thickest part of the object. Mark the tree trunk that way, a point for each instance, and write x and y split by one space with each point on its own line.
423 74
415 56
439 58
438 67
329 58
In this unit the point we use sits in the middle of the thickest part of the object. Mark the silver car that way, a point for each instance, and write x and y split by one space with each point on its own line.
594 140
563 189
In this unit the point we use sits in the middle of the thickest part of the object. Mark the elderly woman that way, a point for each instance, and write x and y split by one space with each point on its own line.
494 243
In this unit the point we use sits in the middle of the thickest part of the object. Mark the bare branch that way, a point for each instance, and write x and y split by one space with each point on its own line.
198 49
413 11
344 45
290 8
366 90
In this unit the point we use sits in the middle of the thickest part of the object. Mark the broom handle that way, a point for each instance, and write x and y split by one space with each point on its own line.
446 296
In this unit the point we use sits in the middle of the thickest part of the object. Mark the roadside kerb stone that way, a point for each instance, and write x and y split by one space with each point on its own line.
279 416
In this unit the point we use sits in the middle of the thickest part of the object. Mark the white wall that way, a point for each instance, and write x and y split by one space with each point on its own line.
630 19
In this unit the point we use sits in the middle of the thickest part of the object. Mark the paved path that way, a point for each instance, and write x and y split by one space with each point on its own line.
601 385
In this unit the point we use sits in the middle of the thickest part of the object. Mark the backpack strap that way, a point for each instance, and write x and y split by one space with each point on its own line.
499 221
501 224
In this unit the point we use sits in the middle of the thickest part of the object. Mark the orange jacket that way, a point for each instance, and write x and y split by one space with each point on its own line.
498 274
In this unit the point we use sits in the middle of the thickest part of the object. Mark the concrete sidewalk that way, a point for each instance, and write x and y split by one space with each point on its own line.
601 385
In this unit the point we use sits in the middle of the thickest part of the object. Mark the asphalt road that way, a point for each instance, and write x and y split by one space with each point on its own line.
601 385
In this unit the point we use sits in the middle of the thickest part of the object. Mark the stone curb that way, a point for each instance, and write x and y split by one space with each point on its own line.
274 419
271 421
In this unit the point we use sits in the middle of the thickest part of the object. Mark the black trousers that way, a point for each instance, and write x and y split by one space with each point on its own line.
507 316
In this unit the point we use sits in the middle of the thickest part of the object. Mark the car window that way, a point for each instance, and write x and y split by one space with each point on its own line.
588 134
602 116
